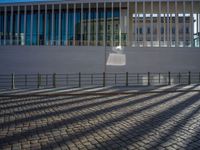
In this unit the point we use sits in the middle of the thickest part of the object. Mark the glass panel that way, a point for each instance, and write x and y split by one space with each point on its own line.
85 23
78 25
196 33
56 25
155 24
15 26
8 23
35 26
188 26
21 27
93 25
140 24
49 25
163 29
71 24
108 24
148 24
28 24
172 24
1 25
63 25
116 23
132 23
123 24
42 25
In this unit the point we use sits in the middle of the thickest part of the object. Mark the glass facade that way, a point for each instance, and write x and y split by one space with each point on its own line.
131 23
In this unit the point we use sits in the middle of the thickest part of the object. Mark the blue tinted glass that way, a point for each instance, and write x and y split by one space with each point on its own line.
71 27
1 27
42 25
56 23
48 27
63 27
28 30
35 25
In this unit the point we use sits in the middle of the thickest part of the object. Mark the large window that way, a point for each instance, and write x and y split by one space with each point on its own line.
8 24
78 25
21 26
48 25
42 25
93 24
116 24
63 24
71 25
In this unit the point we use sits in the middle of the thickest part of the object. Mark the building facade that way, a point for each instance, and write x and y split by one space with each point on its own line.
158 35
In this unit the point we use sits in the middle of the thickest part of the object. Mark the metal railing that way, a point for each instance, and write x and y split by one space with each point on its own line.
12 81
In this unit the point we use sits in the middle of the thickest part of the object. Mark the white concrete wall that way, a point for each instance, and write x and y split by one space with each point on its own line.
49 59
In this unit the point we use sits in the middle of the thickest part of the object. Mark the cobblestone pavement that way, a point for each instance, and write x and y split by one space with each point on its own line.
147 121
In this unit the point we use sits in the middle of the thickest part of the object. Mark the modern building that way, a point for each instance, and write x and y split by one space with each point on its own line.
78 36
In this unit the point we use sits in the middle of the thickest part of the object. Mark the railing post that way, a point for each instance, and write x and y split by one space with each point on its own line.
169 78
13 81
104 79
148 78
126 78
54 80
189 77
79 79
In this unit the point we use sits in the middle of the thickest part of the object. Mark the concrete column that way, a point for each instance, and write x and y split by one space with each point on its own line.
31 32
81 23
144 25
97 16
120 23
74 39
89 23
11 26
67 24
151 23
45 29
5 24
184 26
136 25
59 26
112 26
52 29
38 35
128 27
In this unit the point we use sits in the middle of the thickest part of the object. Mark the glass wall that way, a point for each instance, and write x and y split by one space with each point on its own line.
21 26
28 25
78 25
148 23
108 24
93 17
8 25
42 25
70 25
48 25
63 24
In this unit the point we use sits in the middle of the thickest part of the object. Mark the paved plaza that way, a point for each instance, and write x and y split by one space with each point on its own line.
162 120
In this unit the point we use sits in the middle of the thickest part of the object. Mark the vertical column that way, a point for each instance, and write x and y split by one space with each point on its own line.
31 34
38 35
120 23
67 24
151 23
97 16
18 24
112 44
127 20
168 24
5 16
52 27
104 31
159 25
136 25
89 23
11 25
184 26
144 24
59 26
81 24
45 29
24 42
177 28
192 24
74 43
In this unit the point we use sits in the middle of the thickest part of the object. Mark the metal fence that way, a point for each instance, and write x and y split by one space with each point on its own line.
12 81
